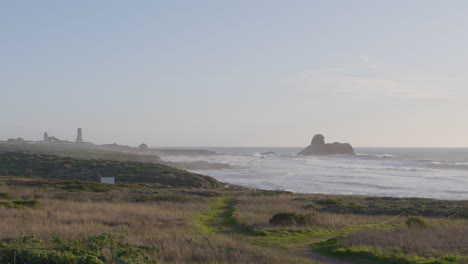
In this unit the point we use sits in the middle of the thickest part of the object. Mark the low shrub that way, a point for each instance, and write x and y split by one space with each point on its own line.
289 219
329 202
416 222
310 207
4 195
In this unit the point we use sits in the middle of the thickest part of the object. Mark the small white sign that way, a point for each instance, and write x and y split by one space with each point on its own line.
108 180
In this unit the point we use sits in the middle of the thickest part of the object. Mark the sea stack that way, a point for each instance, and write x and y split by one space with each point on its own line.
319 147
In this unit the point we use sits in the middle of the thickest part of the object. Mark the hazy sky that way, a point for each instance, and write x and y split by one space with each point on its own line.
236 73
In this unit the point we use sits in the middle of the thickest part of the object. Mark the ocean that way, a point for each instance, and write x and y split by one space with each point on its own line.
440 173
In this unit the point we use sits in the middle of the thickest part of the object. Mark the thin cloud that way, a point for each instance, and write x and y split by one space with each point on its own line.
397 85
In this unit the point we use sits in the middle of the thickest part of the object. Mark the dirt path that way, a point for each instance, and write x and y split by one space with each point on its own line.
220 219
325 259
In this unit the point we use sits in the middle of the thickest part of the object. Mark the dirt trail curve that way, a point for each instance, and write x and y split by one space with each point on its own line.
220 219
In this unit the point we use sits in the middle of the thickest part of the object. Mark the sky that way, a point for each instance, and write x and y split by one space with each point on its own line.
236 73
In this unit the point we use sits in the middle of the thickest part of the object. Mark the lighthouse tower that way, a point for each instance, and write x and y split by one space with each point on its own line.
79 137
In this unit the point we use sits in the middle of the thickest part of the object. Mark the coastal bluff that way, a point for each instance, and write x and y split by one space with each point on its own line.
319 147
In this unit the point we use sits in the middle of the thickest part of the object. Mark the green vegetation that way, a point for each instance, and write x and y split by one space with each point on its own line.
291 219
219 218
358 238
416 222
47 166
369 254
20 204
99 249
387 206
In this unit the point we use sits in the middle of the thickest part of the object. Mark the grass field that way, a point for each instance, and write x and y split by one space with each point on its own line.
360 238
88 222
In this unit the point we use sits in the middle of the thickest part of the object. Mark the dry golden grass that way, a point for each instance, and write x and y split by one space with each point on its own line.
168 226
175 233
257 211
439 239
76 220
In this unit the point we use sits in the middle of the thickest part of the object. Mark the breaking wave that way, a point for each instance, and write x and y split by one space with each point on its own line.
426 173
453 166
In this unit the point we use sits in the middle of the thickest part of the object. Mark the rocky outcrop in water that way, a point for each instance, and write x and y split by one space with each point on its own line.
319 147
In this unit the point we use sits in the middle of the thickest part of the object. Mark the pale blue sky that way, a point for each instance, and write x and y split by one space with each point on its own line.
236 73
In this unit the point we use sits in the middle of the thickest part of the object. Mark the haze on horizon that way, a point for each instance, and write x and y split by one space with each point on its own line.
236 73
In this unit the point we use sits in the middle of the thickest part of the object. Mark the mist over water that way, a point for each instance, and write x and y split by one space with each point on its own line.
400 172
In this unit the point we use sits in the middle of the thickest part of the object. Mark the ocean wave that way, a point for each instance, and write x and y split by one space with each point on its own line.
376 157
455 166
364 184
396 168
397 173
395 163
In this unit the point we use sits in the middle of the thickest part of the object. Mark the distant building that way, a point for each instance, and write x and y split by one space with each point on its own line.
52 139
79 136
16 140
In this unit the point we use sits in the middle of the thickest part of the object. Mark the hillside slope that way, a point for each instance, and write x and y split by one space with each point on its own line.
66 168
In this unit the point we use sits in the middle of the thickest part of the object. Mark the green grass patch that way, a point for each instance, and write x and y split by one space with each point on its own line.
220 218
370 255
282 237
18 204
100 249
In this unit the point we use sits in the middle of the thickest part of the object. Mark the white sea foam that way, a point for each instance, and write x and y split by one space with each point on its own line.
382 174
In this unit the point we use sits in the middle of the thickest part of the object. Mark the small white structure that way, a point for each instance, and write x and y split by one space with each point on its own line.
107 180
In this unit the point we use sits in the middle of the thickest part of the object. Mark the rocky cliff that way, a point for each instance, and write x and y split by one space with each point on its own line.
319 147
